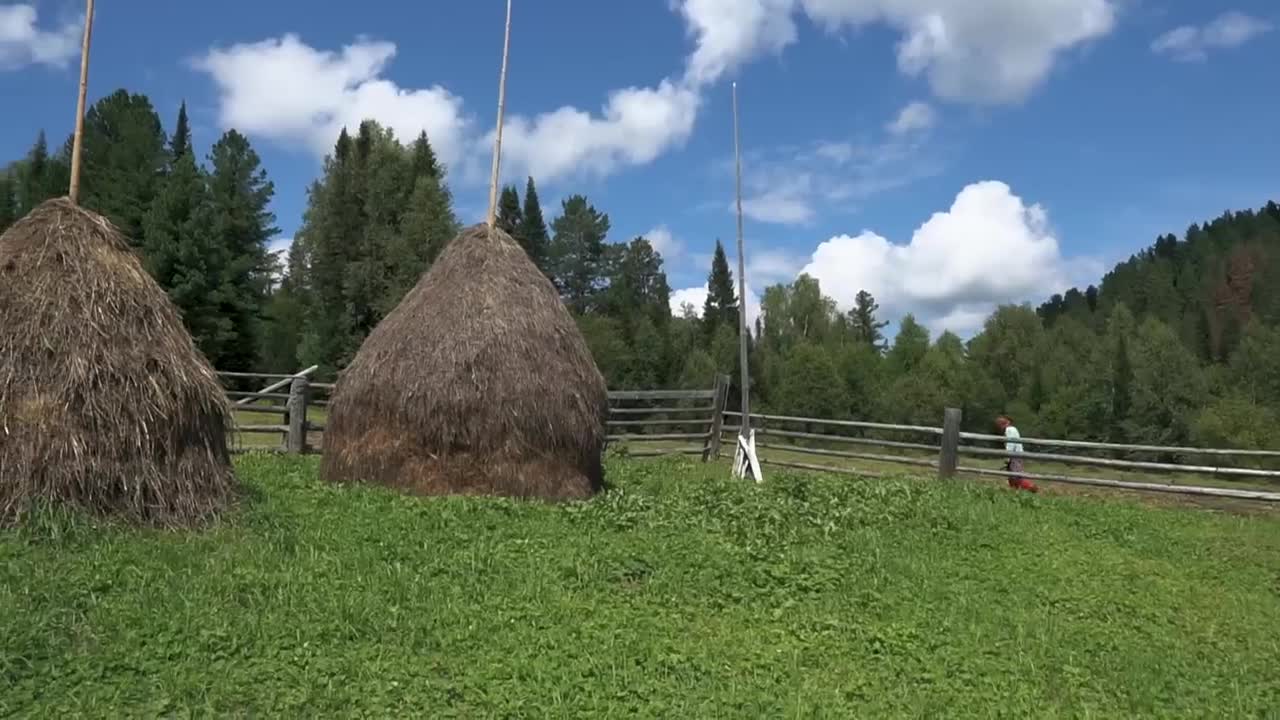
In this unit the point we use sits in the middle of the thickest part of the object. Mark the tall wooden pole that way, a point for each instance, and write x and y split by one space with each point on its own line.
74 191
502 106
742 277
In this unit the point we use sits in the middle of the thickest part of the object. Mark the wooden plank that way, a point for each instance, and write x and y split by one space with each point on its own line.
298 396
256 376
262 428
662 410
653 423
664 453
843 423
1242 494
277 385
1123 464
896 459
661 395
657 438
841 439
712 446
823 468
948 455
263 409
257 395
1086 445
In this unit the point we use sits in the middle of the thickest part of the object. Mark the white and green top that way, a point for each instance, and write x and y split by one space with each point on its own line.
1011 437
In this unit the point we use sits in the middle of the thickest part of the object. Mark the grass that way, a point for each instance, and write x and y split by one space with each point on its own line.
679 593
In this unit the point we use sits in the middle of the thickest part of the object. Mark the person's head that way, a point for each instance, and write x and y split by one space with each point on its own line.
1003 422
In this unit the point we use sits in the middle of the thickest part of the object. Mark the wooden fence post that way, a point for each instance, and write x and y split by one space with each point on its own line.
711 450
949 456
299 390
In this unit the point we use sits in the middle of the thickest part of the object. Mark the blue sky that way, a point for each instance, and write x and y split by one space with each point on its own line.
945 155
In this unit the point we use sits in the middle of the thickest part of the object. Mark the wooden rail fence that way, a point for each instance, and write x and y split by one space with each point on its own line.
642 423
649 423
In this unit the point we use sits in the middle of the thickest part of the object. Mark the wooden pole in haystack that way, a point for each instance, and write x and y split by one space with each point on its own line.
746 455
502 105
74 191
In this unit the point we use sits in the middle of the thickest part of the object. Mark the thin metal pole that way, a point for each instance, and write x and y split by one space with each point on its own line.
742 277
74 191
502 105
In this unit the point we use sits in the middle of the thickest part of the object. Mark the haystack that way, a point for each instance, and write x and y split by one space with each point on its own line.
478 383
106 405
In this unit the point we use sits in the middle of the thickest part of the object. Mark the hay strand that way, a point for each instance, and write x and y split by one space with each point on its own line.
106 405
74 191
478 383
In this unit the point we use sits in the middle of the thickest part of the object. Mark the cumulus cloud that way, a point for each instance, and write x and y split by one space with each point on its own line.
980 51
285 90
635 126
915 117
697 297
1193 42
666 243
988 248
23 42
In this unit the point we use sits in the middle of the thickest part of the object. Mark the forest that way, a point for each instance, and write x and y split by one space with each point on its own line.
1180 344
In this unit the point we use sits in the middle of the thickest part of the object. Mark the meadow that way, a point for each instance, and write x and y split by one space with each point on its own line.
678 593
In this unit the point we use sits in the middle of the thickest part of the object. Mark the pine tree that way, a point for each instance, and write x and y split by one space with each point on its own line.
578 252
866 328
510 216
533 229
180 143
721 306
243 225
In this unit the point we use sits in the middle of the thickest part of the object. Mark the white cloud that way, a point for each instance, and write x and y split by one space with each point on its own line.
1228 30
285 90
915 117
635 127
697 297
988 248
981 51
784 205
23 43
667 244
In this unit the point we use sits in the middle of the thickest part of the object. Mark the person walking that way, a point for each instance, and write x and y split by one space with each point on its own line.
1013 464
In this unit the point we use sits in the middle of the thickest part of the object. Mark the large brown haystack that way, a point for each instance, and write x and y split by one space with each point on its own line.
479 382
105 403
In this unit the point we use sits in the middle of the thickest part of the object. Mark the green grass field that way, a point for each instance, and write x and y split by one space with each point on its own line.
679 593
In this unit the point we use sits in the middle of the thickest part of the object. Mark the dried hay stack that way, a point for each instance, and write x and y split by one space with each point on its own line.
478 383
106 405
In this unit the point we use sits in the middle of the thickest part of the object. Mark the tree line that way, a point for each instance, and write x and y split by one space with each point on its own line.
1179 344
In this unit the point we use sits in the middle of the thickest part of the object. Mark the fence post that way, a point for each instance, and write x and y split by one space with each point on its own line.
949 457
296 441
711 450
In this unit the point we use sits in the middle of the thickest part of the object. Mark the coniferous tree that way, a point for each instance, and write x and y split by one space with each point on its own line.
866 327
578 252
510 216
242 225
8 201
180 143
124 157
533 229
721 306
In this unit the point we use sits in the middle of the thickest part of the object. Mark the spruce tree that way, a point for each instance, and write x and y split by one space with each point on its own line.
510 216
37 178
184 256
721 306
243 225
533 229
180 143
8 204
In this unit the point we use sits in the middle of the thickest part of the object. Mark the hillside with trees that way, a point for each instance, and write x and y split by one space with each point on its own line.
1179 344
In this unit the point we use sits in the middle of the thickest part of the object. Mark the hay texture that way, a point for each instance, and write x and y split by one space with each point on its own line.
478 383
106 405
